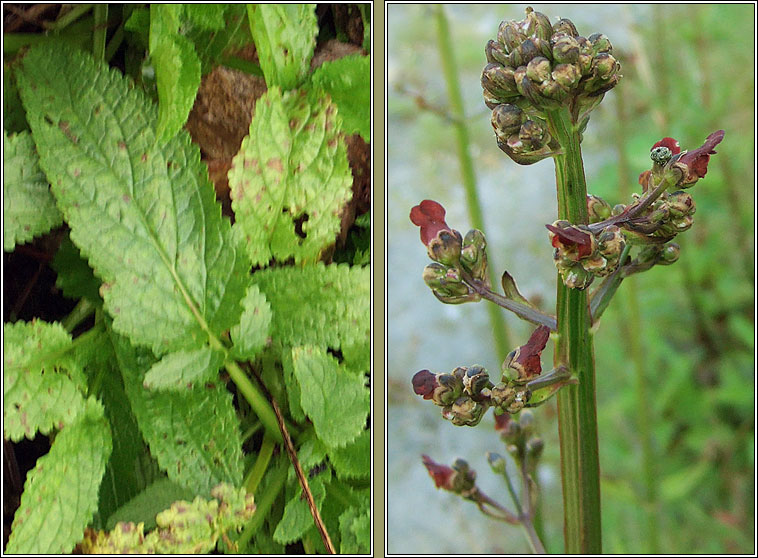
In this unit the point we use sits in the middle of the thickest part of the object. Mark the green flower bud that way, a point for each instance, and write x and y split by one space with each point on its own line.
502 394
538 69
499 81
518 402
596 265
509 35
475 380
534 448
528 423
554 90
605 65
539 24
445 281
568 75
576 277
465 412
565 26
566 50
474 255
495 53
497 463
597 208
490 100
618 209
532 134
528 51
445 248
600 43
506 120
464 482
584 63
669 254
544 47
610 244
681 204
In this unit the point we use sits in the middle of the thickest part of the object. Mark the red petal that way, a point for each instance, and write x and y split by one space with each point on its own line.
697 159
529 354
430 216
424 383
440 473
572 237
671 143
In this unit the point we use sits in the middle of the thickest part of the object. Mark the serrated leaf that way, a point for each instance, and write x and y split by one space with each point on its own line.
75 277
60 493
177 69
355 531
193 434
329 306
130 468
511 290
290 178
42 385
297 518
312 451
147 504
28 206
251 334
292 386
284 36
336 401
347 80
354 460
184 369
145 216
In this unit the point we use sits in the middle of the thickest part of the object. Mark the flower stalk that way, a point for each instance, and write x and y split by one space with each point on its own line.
577 413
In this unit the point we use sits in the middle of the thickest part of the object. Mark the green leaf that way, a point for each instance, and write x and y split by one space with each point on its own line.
297 518
42 385
177 69
147 504
28 206
284 36
347 80
145 216
290 179
211 46
336 401
193 434
184 369
14 118
355 531
130 468
354 460
251 334
329 306
207 16
75 277
511 290
60 493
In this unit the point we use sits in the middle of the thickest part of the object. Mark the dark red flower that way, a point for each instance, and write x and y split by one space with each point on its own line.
671 143
696 161
501 422
571 236
430 216
442 474
526 359
424 383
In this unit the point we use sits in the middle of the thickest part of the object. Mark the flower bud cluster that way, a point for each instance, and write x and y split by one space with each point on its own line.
452 254
535 66
463 393
524 139
580 254
663 220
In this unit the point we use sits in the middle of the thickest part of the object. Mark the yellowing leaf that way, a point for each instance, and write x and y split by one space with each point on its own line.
290 179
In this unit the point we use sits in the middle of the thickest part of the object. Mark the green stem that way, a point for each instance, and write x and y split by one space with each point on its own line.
577 414
263 503
257 471
83 310
100 11
255 397
450 71
70 17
